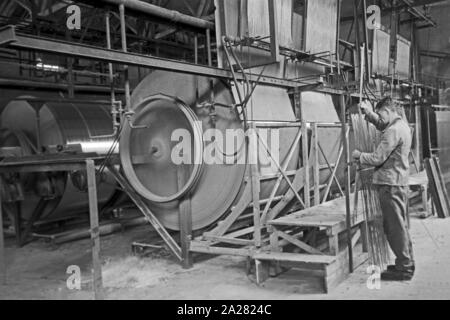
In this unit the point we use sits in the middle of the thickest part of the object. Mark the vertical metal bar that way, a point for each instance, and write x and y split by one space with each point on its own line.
338 36
110 65
305 156
255 186
70 78
185 220
2 243
366 40
123 35
208 47
196 49
316 165
38 130
348 182
274 47
95 232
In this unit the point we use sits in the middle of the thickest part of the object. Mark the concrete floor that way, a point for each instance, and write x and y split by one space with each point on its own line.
38 271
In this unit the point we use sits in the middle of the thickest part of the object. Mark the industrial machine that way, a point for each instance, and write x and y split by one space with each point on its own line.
278 75
35 127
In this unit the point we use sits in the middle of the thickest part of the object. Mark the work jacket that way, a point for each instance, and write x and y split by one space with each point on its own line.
391 158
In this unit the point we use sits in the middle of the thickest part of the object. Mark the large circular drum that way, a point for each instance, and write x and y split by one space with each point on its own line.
173 118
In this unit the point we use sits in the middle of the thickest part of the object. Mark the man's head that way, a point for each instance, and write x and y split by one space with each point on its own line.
387 111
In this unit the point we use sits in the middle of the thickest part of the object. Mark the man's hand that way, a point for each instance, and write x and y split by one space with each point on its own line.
365 107
356 155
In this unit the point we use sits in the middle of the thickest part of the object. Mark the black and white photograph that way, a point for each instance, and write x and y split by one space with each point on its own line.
223 155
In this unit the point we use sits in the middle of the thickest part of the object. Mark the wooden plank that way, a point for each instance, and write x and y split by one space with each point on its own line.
262 269
208 248
316 164
295 257
185 219
95 232
229 240
299 243
255 186
2 244
305 158
308 220
333 242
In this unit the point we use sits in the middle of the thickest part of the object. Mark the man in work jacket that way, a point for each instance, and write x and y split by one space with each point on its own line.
391 162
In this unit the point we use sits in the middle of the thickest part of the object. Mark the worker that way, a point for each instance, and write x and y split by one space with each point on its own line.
391 163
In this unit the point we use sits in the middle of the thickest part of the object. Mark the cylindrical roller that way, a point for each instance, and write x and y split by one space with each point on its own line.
59 124
165 102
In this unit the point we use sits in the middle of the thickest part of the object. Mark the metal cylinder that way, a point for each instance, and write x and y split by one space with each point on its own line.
165 103
33 125
160 12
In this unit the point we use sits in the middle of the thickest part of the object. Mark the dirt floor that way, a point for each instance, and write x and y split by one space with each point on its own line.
38 271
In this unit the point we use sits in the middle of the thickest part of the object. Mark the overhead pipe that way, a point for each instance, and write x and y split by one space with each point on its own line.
163 13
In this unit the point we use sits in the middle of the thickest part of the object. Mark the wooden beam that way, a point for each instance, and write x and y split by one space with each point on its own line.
95 232
2 244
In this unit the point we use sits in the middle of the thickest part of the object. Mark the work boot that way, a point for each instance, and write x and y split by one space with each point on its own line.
394 268
396 275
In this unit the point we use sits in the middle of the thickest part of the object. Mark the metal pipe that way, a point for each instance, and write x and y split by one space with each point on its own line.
348 182
156 11
123 36
4 82
366 41
110 66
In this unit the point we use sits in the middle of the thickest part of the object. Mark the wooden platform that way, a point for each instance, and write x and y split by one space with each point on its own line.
330 215
328 258
332 270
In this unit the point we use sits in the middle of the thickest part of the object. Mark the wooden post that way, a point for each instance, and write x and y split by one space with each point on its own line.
2 244
185 218
95 232
316 164
305 155
254 175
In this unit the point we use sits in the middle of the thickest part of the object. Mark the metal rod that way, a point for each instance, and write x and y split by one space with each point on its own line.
208 46
110 66
366 40
21 41
123 35
348 182
159 12
338 35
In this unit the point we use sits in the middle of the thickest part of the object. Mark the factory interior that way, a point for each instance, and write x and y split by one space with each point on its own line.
116 181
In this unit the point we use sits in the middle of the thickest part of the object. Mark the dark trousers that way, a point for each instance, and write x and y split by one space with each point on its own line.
393 200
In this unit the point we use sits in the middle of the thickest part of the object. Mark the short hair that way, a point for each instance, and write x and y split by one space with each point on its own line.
386 102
